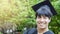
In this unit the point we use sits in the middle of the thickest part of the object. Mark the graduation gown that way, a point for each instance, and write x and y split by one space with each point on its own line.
34 31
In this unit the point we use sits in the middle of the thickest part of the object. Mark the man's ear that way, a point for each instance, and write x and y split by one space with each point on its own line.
49 19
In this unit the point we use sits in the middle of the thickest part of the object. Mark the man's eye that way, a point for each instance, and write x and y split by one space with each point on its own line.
39 17
44 17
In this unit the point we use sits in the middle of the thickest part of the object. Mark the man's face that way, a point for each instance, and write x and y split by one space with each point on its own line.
42 21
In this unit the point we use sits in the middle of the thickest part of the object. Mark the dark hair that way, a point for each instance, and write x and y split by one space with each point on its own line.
47 15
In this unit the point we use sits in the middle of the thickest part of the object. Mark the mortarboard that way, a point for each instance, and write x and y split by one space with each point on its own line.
44 7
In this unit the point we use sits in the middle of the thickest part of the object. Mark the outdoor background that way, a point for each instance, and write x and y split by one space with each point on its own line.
18 15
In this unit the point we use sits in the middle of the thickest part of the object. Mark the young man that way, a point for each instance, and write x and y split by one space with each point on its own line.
44 12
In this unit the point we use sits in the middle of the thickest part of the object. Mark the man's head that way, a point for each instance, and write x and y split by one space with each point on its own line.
42 21
43 16
44 12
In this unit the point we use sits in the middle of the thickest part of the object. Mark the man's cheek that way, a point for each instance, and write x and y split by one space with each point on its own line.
47 20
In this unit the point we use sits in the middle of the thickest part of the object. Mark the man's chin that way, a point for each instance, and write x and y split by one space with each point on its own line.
42 27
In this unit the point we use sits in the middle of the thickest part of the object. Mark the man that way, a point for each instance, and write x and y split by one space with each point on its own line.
44 12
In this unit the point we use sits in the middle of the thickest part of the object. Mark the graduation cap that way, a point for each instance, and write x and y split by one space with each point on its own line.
44 8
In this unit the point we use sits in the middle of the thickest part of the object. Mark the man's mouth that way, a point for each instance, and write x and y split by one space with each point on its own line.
41 22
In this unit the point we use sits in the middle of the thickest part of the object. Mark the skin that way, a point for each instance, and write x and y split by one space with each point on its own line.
42 24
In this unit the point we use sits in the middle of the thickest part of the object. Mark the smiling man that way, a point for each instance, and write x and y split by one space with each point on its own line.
44 12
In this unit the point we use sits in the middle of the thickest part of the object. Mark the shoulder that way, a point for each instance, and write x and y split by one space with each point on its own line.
49 32
29 31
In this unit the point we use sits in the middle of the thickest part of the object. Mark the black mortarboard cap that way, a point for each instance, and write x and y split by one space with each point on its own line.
44 7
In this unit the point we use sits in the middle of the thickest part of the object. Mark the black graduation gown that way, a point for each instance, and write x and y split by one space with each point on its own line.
34 31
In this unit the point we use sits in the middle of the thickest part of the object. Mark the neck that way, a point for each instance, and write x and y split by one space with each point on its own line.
42 30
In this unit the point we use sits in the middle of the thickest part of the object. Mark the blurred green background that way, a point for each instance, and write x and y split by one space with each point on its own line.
18 14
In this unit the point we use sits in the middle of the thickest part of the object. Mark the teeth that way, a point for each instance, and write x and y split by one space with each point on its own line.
41 23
